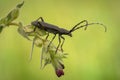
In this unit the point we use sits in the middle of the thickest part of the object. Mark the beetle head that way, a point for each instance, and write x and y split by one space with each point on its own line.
35 23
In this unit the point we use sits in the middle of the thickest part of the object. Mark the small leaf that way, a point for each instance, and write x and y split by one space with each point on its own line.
38 41
40 32
12 16
61 55
20 5
22 32
1 28
45 56
32 49
3 21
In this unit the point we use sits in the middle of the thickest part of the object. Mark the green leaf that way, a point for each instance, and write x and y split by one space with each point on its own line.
12 15
3 21
32 49
1 28
38 41
20 5
40 32
22 31
45 57
49 56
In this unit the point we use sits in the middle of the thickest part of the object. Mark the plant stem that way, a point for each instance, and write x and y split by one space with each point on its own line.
15 24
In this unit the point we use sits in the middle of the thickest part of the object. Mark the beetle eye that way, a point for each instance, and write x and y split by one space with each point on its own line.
35 23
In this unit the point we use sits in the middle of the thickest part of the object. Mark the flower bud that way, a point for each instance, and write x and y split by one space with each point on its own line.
59 72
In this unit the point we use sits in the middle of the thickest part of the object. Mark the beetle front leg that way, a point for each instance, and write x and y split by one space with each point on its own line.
62 42
34 29
58 44
51 40
41 19
47 36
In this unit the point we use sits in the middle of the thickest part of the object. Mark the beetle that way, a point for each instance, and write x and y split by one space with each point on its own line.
50 28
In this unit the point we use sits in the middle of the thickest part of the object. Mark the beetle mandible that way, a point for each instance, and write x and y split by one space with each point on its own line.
50 28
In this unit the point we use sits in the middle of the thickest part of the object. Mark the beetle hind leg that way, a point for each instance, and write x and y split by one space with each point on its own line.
58 44
51 42
41 19
62 42
47 36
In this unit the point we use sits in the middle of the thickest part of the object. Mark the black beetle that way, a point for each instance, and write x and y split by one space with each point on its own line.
42 25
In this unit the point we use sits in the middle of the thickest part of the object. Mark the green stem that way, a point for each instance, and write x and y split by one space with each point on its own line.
14 24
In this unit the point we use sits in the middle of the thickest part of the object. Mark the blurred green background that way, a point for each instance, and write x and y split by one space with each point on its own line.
93 54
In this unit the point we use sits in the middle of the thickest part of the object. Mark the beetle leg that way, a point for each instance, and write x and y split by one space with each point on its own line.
62 42
75 27
41 19
47 36
51 40
58 44
34 29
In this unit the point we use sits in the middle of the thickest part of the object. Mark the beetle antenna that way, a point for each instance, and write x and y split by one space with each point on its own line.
86 25
74 28
41 19
98 24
